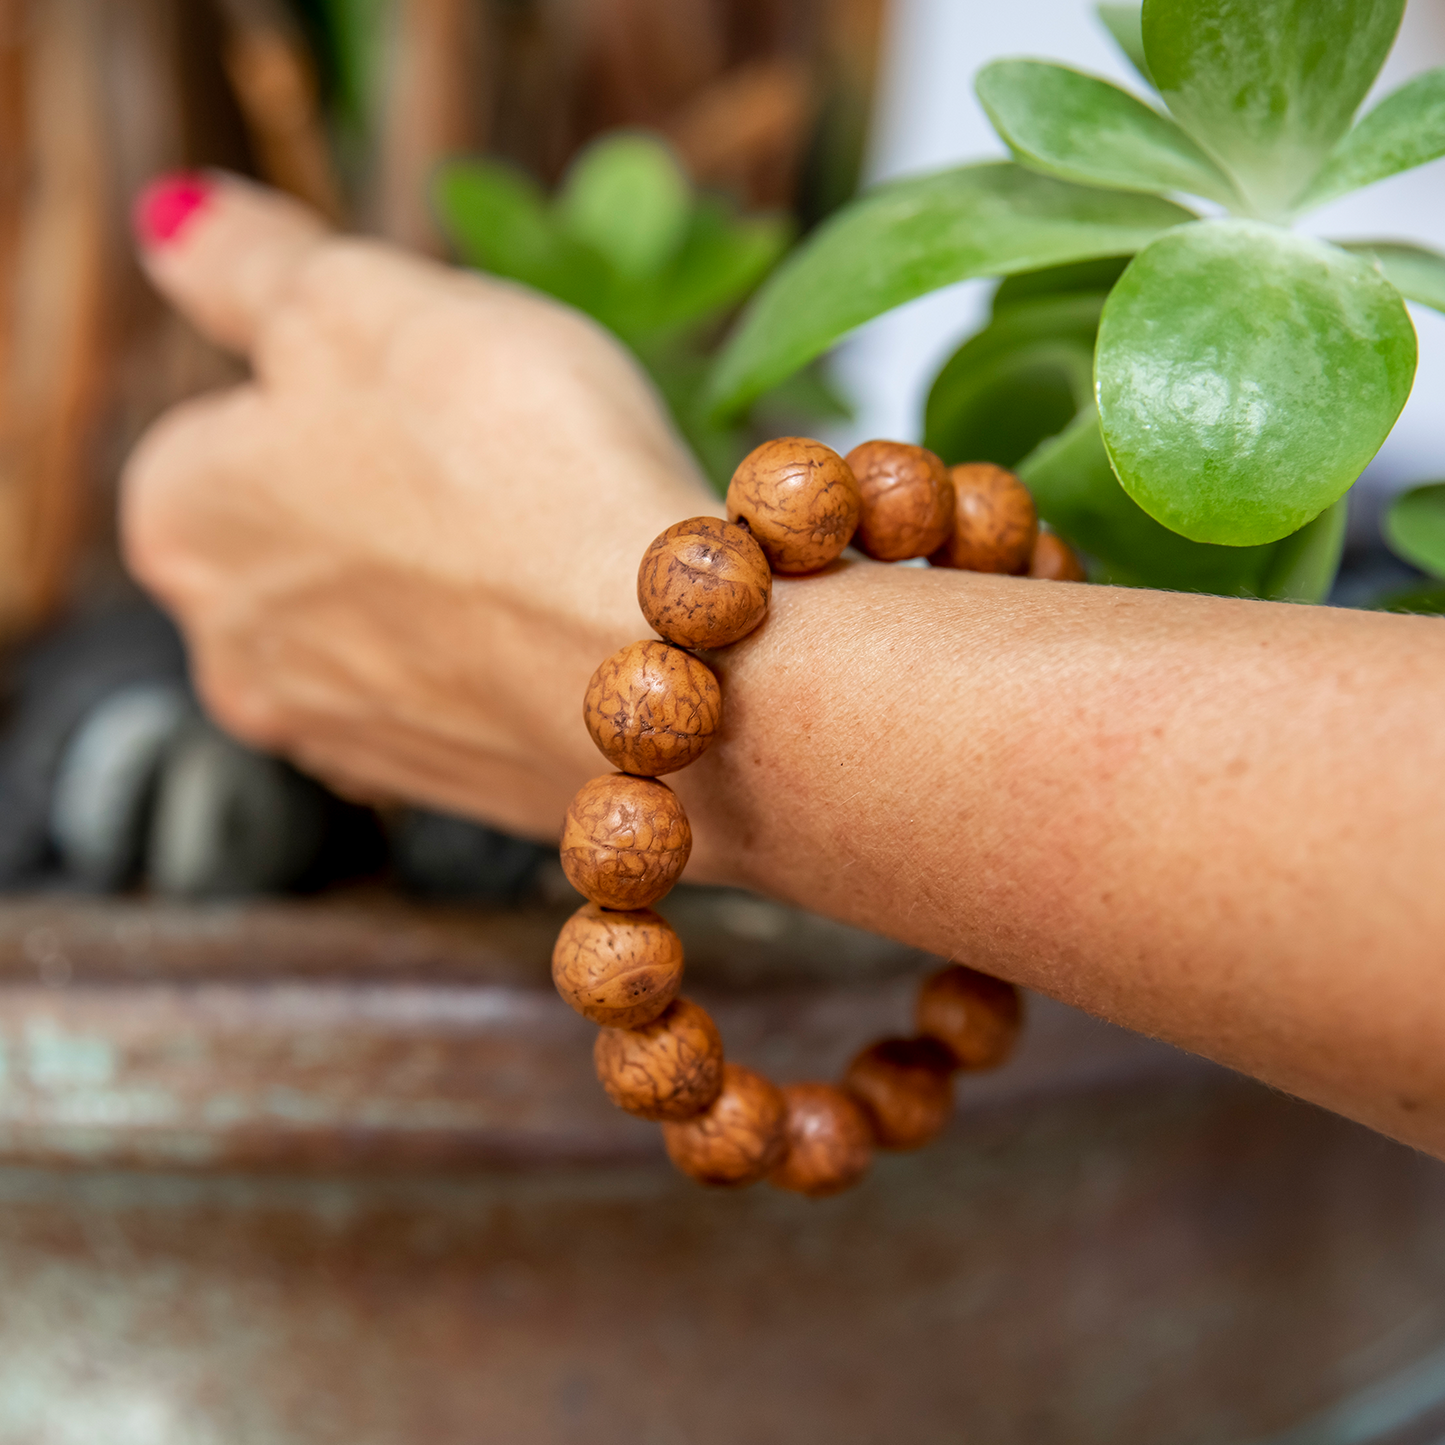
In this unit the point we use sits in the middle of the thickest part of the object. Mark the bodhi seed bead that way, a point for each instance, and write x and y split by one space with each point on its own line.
652 708
625 841
975 1016
619 969
1055 561
799 499
704 583
994 521
905 1086
907 498
669 1069
830 1145
738 1138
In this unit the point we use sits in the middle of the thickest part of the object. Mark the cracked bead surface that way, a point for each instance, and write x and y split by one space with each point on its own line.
905 1087
704 583
830 1145
652 708
738 1138
625 841
800 500
1055 561
668 1069
619 969
994 521
976 1016
907 500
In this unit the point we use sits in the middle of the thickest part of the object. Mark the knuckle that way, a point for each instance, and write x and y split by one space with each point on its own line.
328 306
326 282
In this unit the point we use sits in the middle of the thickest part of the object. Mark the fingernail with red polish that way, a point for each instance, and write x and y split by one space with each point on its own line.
167 204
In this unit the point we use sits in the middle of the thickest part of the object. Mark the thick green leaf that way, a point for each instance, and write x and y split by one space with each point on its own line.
496 216
1268 86
1245 377
1427 600
627 198
1076 278
1081 128
1415 527
1079 496
915 236
721 261
1416 273
1305 565
499 222
1021 379
1405 130
1126 24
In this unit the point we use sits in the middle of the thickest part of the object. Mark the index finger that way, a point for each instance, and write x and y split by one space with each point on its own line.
223 250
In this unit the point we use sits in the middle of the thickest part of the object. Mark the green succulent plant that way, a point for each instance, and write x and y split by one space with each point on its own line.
627 240
1189 397
1415 530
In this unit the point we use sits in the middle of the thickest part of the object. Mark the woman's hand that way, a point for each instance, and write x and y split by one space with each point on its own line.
398 553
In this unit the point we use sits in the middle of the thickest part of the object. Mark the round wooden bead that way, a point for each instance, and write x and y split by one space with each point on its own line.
704 583
830 1145
617 969
799 499
669 1069
1055 561
975 1016
652 708
625 841
907 498
738 1138
905 1087
994 521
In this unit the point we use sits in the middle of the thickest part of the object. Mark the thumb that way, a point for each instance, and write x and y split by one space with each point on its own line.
222 249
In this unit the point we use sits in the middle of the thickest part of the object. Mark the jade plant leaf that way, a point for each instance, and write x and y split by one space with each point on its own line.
1405 130
627 198
1415 527
914 236
1075 278
1416 273
1126 24
499 221
1427 600
1081 128
722 259
1021 379
1268 86
1246 375
1080 497
1305 565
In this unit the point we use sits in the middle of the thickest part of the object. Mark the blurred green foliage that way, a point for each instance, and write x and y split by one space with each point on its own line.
1415 529
627 240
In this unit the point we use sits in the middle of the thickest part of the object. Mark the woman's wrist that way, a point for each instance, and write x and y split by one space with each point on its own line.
755 797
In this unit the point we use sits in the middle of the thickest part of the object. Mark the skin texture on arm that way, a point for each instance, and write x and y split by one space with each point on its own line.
1214 821
399 553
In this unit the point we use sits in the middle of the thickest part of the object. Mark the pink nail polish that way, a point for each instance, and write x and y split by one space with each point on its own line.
164 207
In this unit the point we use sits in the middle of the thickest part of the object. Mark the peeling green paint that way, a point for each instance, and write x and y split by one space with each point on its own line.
56 1059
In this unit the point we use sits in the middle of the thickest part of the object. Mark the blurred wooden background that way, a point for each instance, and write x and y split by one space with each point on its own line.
349 104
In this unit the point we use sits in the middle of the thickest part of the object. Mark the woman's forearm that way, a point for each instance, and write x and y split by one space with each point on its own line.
1213 821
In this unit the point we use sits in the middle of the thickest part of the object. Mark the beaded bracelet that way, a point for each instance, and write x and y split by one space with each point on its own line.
653 708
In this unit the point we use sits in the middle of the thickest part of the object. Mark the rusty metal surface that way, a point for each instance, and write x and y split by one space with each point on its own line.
338 1170
359 1033
1202 1264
